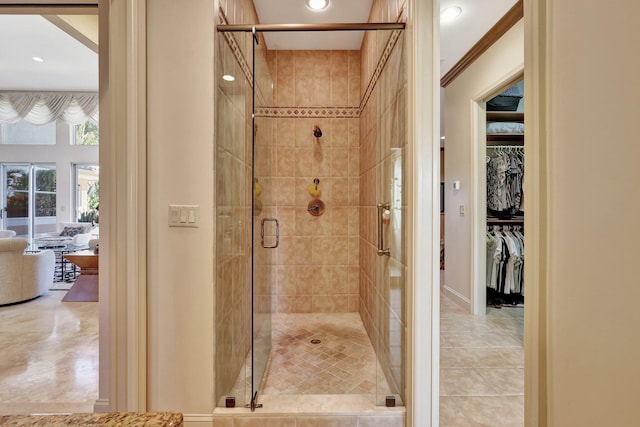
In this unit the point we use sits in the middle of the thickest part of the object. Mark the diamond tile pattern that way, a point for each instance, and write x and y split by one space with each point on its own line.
343 363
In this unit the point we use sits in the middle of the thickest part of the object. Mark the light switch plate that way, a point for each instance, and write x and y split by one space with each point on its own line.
184 216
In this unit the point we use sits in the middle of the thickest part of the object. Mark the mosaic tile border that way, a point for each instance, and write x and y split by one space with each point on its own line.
302 112
391 43
315 112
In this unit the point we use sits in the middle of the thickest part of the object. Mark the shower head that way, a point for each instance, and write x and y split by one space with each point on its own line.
317 132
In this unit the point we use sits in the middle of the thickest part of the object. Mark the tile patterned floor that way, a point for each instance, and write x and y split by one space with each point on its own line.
481 367
343 363
49 357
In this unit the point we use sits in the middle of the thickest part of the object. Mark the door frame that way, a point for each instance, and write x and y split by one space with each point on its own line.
123 240
423 189
479 191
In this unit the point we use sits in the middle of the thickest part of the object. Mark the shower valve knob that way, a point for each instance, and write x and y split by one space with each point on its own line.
316 207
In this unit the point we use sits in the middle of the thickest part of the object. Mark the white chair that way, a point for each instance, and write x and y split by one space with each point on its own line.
23 276
5 234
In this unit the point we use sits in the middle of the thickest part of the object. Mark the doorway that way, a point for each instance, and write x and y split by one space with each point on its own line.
37 187
474 337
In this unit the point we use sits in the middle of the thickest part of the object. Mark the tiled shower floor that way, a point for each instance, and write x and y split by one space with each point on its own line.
344 362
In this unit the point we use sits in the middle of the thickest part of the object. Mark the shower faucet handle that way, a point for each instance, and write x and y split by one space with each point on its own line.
316 207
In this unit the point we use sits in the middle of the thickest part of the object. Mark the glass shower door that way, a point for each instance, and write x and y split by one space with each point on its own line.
246 225
265 225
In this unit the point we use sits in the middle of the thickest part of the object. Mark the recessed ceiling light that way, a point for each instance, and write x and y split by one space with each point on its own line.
37 59
317 4
450 13
228 78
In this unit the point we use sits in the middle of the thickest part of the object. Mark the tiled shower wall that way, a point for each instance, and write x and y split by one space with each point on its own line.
318 258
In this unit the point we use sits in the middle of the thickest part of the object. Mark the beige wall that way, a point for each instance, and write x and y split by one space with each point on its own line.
180 171
317 261
591 246
488 73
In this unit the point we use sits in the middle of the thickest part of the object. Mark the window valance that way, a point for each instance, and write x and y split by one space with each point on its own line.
39 108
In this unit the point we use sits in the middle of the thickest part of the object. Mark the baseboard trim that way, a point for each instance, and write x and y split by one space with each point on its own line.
458 298
197 420
102 406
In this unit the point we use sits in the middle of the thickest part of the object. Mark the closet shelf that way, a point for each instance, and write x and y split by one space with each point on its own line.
516 137
505 116
505 221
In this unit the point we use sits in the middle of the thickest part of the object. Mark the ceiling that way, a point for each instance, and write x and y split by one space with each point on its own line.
70 65
456 38
297 12
459 36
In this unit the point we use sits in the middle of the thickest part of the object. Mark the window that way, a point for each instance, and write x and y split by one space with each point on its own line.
30 198
45 191
86 133
17 192
25 133
87 194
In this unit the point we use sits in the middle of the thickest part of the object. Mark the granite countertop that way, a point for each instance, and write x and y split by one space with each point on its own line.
146 419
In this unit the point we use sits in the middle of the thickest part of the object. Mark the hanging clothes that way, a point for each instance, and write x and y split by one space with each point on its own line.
505 262
505 175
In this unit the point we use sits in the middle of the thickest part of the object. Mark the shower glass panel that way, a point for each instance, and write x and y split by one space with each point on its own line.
265 224
246 225
391 268
233 224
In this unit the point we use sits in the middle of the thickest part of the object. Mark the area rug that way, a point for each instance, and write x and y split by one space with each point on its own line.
85 289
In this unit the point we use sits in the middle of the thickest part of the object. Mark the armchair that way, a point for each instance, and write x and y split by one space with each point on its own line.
23 276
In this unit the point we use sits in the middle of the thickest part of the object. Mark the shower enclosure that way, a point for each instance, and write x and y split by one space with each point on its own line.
265 237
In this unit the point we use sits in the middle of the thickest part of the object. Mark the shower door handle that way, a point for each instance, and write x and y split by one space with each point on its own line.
382 207
277 224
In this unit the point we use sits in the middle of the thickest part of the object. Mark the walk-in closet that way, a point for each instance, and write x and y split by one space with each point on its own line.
504 198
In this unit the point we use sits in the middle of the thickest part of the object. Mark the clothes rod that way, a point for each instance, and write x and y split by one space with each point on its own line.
311 27
505 147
